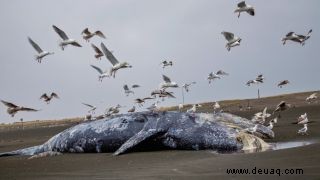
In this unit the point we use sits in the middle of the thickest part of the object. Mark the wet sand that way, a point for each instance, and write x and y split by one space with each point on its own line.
169 164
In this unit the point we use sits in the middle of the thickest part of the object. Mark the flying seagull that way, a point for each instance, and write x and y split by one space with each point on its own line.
47 98
168 83
186 86
116 65
103 74
127 91
212 76
232 40
166 63
296 37
13 109
282 106
41 54
135 86
243 7
87 34
99 53
283 83
140 101
65 40
92 108
222 73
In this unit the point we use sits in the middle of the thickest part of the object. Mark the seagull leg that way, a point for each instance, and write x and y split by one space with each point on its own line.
238 14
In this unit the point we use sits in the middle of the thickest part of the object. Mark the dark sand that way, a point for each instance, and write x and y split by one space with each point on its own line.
167 164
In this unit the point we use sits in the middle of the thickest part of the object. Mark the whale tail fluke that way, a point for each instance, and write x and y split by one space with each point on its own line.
26 151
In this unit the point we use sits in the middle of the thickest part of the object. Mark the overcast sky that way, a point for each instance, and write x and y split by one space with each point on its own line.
144 33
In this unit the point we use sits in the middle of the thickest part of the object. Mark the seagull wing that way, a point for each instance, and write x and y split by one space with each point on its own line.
35 45
242 4
109 55
166 79
228 35
61 33
54 95
100 34
9 104
251 12
96 49
28 109
44 96
86 31
76 44
88 105
98 69
135 86
289 34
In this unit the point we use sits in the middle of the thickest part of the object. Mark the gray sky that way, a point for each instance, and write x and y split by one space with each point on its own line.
143 33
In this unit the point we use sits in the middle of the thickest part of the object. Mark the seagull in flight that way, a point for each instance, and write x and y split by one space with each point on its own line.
41 54
283 83
65 39
243 7
13 109
212 76
292 36
103 74
86 34
168 83
127 91
92 108
166 63
48 98
99 53
233 41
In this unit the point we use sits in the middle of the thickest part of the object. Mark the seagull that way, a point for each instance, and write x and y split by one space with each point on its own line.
282 106
216 106
304 130
296 37
194 108
116 65
87 34
168 83
47 98
113 110
41 54
243 7
212 76
260 117
13 109
311 98
65 40
222 73
162 93
92 108
166 63
140 101
103 74
232 40
259 79
186 86
133 109
99 53
303 119
180 107
283 83
127 91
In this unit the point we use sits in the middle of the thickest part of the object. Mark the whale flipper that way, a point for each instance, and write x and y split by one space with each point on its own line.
138 138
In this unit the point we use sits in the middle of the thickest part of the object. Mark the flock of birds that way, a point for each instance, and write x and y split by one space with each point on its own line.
162 92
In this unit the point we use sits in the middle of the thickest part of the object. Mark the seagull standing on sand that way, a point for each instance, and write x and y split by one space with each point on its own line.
304 130
311 98
103 74
92 108
13 109
65 40
216 106
41 54
194 108
127 91
99 53
168 83
180 107
296 37
303 119
116 65
283 83
87 34
232 40
243 7
47 98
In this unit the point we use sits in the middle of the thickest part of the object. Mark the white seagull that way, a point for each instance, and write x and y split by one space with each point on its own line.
65 40
296 37
103 74
127 91
87 34
180 107
311 98
304 130
116 65
260 117
194 108
232 40
167 83
212 76
303 119
166 63
216 106
243 7
41 54
99 53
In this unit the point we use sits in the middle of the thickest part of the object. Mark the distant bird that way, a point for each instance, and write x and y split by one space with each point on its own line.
103 74
133 109
259 79
127 91
243 7
47 98
116 65
168 83
41 54
232 40
135 86
212 76
99 53
13 109
282 106
304 130
194 108
186 86
311 98
222 73
296 37
113 110
180 107
261 117
166 63
65 40
283 83
140 101
216 106
92 108
162 93
303 119
87 34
